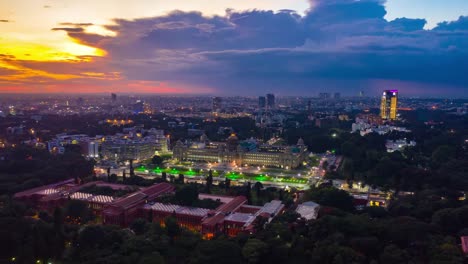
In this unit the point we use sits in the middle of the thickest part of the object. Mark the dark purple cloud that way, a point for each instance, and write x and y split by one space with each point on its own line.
76 24
344 45
461 24
407 24
69 29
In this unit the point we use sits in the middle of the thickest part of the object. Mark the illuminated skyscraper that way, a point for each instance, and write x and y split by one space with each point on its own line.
389 104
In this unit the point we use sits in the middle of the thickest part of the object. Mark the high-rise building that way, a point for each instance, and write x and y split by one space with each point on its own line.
147 109
138 107
337 96
270 101
389 104
324 95
261 102
217 104
113 97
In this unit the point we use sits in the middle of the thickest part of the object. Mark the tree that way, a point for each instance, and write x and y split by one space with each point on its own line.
227 183
442 154
157 160
172 227
108 174
330 196
254 250
447 253
348 171
77 211
348 149
393 254
248 194
91 237
259 223
451 219
113 178
325 165
132 170
58 220
181 178
44 216
216 251
209 182
59 240
164 176
187 195
258 186
139 226
153 258
124 175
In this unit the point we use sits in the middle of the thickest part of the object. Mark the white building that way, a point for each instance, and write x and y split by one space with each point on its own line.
398 145
308 210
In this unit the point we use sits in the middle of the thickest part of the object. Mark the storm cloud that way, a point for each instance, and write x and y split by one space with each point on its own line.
344 45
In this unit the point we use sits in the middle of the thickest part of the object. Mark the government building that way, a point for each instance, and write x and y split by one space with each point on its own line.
248 152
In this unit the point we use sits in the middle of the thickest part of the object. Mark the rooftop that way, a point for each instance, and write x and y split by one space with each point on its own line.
102 199
308 210
221 198
129 201
43 190
233 205
80 196
157 189
240 217
271 208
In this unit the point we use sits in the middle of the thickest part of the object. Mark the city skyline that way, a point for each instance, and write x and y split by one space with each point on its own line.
285 48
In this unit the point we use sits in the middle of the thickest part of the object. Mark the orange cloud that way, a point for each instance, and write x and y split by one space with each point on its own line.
83 86
79 64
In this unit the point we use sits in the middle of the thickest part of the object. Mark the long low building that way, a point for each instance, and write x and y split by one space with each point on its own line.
113 210
232 217
123 211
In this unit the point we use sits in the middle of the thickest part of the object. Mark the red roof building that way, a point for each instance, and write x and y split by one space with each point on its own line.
232 217
123 211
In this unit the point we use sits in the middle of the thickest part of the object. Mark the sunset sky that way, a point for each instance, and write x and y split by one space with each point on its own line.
289 47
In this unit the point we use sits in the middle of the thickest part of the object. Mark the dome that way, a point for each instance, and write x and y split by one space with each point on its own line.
204 138
232 142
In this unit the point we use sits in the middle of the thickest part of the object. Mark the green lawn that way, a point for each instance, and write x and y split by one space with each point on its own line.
264 178
235 176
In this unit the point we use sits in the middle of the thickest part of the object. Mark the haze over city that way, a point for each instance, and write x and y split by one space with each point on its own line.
235 47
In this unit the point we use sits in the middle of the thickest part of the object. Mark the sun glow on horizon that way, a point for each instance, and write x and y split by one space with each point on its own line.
61 51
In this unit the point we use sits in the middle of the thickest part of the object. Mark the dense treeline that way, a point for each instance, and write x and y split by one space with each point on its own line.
423 225
23 168
418 229
439 160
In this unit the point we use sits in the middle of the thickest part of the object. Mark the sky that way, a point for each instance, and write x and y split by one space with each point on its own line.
243 47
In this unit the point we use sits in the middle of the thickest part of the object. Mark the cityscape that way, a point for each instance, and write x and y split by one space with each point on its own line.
271 132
